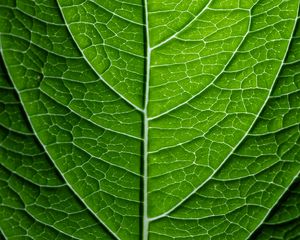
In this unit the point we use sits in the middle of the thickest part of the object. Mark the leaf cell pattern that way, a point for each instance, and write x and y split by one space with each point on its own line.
283 222
149 119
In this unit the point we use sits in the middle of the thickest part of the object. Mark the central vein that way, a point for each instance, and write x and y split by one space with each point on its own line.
145 225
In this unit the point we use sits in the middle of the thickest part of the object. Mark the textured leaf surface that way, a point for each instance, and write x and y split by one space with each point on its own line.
149 120
283 222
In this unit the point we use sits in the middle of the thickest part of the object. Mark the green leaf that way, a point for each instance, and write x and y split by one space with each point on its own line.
149 120
283 222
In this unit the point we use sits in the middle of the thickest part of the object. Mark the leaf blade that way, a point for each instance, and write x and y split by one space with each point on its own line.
96 132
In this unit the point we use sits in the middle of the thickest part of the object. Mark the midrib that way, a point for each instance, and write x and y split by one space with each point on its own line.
145 219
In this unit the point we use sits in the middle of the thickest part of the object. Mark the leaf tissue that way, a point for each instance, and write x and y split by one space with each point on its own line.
153 119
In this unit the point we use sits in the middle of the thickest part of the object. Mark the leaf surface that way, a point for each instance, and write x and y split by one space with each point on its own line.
147 120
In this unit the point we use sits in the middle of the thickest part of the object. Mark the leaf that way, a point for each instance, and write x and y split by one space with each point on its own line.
35 200
147 120
283 222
